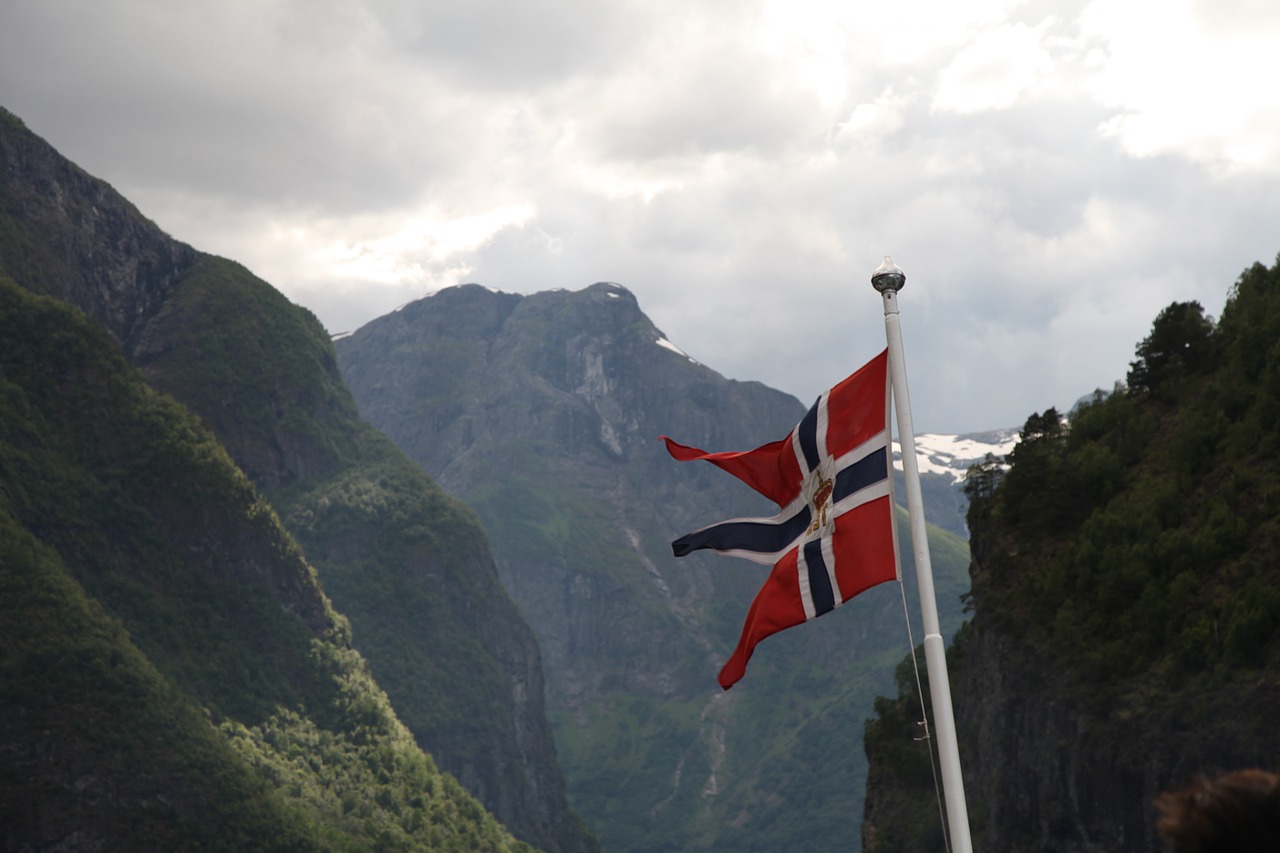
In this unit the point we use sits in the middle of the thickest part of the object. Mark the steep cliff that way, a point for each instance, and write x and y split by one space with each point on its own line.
411 569
543 413
1126 599
71 236
172 677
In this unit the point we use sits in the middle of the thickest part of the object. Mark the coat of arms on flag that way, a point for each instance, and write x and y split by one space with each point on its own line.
833 536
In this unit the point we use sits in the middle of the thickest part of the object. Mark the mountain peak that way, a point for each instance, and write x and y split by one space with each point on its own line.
465 287
610 290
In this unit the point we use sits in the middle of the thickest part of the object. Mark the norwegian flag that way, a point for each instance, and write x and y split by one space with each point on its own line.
834 536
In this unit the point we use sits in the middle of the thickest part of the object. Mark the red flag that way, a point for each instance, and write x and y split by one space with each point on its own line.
833 537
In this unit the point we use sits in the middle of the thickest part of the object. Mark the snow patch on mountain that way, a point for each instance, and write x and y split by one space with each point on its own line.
951 455
666 344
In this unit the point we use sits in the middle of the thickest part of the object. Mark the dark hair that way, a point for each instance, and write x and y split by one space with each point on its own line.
1237 812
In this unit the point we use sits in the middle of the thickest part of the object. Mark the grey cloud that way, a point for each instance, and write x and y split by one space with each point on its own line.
1037 251
514 46
721 104
168 98
1237 17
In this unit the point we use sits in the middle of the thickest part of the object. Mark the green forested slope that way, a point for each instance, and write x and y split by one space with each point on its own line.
171 675
1133 552
78 696
1141 539
410 569
407 564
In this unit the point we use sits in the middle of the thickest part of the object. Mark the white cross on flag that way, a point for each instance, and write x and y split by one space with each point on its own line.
833 537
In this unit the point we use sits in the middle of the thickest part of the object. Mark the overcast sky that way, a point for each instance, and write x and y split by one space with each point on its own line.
1049 174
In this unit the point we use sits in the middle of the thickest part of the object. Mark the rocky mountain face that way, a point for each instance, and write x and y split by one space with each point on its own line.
542 412
569 384
408 565
86 244
1126 602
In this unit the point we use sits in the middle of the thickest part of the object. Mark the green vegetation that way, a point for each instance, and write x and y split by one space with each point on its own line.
407 561
368 779
621 757
407 564
171 675
1140 538
73 683
255 367
169 538
1131 550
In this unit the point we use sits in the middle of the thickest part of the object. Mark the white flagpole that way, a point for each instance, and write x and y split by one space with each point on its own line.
888 278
